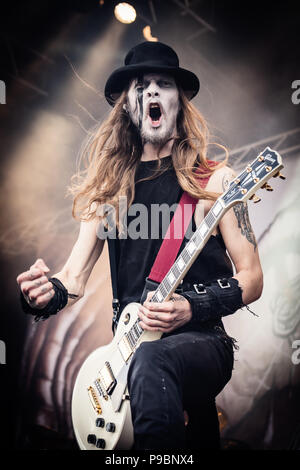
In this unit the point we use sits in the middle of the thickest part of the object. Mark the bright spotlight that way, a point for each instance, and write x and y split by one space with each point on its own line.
148 35
125 13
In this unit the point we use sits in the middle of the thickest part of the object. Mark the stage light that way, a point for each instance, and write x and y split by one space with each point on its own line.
148 35
125 13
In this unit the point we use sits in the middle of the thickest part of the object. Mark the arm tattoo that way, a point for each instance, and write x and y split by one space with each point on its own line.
226 180
175 299
241 213
225 183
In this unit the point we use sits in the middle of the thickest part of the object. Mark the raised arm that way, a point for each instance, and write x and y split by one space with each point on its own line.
34 283
85 253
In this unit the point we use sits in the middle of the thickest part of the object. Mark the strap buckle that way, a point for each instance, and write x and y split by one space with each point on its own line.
115 305
199 288
116 310
223 283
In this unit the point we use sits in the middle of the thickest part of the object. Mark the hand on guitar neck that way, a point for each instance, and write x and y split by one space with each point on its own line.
164 316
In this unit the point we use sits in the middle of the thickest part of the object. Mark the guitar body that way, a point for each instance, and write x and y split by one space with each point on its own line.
92 399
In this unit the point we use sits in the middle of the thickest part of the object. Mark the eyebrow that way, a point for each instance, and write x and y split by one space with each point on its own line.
139 82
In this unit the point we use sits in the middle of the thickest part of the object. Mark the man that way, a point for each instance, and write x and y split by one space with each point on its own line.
151 148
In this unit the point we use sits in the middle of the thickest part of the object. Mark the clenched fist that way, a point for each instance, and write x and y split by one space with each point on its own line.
34 284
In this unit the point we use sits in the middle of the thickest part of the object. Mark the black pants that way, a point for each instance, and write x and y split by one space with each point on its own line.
183 371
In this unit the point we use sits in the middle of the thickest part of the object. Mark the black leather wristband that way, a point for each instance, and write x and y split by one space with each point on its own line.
214 300
58 302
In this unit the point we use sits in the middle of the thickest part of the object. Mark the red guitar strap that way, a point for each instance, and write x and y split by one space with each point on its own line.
174 236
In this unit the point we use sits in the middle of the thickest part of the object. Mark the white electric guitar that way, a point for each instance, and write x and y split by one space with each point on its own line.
100 403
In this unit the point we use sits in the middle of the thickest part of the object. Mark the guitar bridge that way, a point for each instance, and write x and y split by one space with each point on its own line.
94 400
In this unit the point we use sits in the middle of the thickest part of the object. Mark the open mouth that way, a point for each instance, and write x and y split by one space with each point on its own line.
155 114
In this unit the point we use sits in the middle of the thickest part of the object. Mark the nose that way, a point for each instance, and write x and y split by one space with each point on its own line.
153 89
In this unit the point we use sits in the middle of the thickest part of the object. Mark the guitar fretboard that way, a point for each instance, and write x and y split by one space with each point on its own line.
134 334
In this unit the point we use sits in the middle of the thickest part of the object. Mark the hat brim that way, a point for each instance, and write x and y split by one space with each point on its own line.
120 78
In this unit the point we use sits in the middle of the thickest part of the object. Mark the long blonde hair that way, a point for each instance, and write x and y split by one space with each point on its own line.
113 151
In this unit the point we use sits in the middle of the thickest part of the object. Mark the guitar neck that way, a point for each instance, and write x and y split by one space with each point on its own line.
190 252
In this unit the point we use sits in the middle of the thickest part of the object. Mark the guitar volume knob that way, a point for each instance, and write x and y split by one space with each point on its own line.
100 443
110 427
91 439
100 422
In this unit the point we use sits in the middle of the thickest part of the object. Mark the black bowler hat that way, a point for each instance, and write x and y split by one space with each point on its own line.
150 57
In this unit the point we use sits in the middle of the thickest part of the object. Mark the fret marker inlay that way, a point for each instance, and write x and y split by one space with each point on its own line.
217 208
191 247
159 296
203 229
180 264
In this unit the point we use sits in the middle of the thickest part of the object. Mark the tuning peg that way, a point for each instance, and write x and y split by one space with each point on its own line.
280 175
267 187
255 198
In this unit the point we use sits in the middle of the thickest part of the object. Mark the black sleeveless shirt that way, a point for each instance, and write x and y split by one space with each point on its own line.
135 257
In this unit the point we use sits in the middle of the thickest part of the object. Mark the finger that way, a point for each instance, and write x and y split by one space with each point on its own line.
43 300
160 307
28 286
156 328
151 328
154 323
40 291
40 263
149 295
33 273
165 317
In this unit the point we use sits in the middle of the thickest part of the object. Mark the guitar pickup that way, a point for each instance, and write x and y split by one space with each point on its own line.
125 348
107 378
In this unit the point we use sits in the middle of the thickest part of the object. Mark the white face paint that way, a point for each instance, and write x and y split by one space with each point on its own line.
153 105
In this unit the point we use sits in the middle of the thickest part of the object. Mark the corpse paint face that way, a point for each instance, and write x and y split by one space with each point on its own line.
153 105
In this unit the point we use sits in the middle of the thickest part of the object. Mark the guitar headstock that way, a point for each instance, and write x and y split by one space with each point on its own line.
267 165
